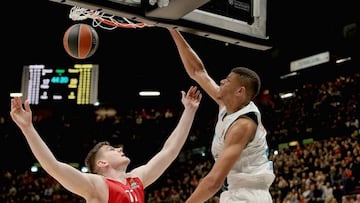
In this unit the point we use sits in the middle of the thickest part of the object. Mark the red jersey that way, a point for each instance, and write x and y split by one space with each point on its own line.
131 192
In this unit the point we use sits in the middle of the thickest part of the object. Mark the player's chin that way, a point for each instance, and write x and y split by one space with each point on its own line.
127 159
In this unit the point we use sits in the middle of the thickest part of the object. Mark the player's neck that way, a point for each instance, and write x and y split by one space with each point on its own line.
121 178
234 107
116 175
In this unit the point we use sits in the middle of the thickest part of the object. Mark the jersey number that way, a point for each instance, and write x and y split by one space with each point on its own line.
132 196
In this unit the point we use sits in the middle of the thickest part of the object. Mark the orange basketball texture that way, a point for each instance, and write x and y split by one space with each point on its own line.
81 41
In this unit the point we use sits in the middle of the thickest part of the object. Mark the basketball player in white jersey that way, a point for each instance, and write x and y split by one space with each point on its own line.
239 144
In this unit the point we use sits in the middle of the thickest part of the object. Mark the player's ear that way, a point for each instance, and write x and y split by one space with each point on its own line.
241 89
101 163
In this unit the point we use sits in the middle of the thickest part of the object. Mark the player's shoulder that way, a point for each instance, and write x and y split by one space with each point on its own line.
243 125
96 178
97 189
131 175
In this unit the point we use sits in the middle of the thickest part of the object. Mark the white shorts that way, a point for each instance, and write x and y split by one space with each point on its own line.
246 195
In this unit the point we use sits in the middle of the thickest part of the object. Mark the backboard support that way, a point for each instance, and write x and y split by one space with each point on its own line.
238 22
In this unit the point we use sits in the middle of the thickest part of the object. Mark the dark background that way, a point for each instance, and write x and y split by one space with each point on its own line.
139 59
135 59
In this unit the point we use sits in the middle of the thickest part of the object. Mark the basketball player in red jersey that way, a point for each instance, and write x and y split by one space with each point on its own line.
108 180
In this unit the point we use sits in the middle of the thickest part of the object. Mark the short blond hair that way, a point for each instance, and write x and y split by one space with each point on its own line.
90 160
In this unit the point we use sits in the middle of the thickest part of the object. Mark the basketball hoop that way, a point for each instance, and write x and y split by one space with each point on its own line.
103 20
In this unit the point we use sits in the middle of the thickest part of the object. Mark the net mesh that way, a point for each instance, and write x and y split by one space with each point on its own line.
103 20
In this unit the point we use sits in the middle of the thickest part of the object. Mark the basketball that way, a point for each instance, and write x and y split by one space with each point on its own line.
81 41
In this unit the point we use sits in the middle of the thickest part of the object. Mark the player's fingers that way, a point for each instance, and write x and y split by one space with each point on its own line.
27 106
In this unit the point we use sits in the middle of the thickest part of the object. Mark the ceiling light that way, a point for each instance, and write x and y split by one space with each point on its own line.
149 93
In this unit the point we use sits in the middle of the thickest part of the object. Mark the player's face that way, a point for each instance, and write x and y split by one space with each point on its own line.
228 86
115 154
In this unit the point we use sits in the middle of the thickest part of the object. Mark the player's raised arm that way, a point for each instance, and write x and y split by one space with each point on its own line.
173 145
194 66
69 177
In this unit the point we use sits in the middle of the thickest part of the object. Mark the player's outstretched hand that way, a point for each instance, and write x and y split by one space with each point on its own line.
192 98
22 116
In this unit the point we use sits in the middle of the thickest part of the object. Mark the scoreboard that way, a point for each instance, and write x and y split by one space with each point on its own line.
74 84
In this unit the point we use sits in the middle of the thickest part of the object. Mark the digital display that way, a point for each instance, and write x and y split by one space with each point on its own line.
77 84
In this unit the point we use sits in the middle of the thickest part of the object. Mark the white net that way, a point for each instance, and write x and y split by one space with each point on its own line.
103 20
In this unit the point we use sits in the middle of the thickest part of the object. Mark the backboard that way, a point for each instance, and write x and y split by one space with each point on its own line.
238 22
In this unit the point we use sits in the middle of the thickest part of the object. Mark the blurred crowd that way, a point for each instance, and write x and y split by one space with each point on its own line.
313 136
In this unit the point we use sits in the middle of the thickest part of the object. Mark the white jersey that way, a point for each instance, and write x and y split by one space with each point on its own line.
252 169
